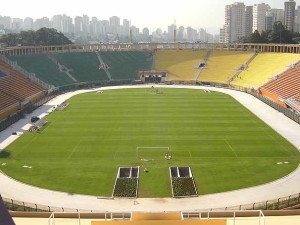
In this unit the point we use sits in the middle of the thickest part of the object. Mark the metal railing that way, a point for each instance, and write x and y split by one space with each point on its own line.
275 204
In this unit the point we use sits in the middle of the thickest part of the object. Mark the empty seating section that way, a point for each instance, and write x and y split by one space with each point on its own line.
44 69
222 65
6 101
84 65
8 105
127 64
285 86
181 64
18 86
264 67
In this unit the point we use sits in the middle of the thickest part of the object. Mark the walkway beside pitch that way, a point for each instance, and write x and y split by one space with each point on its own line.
286 186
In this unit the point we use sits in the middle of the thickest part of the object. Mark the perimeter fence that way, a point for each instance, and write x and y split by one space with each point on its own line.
275 204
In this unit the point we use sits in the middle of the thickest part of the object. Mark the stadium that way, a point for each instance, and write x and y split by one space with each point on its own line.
167 127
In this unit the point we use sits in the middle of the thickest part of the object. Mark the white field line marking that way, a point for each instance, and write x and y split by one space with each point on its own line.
231 148
74 149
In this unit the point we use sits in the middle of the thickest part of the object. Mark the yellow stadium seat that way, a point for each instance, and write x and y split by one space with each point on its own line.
181 64
263 68
222 65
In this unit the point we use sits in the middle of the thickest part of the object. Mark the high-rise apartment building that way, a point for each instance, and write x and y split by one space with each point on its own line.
85 24
180 33
114 22
222 35
125 27
57 23
269 21
17 24
78 24
259 16
42 22
278 15
272 16
289 14
297 23
94 27
248 20
171 32
234 22
5 22
28 24
191 34
67 24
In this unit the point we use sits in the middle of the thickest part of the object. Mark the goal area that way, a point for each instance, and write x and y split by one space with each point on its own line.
152 153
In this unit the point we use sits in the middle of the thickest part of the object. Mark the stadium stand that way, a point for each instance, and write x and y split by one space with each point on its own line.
2 74
8 105
84 65
297 97
264 67
18 86
284 87
6 101
222 65
43 68
127 64
180 64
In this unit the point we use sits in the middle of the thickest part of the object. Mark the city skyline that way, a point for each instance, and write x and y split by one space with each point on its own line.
161 14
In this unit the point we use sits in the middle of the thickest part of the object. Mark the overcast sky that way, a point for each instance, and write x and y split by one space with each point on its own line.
208 14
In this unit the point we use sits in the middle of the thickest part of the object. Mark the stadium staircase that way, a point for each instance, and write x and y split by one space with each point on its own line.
242 68
103 65
125 65
204 61
84 66
62 68
265 67
293 105
222 65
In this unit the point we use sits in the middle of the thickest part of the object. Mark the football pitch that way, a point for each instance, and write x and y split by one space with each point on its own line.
82 147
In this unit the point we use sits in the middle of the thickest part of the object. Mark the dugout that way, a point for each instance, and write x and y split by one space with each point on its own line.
153 76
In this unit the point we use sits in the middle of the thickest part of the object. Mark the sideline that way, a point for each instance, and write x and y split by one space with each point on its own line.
285 186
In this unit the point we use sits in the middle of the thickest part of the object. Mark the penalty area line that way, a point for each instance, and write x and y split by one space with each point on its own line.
74 149
231 148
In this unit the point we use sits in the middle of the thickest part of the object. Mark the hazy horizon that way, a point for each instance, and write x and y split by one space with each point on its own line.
157 14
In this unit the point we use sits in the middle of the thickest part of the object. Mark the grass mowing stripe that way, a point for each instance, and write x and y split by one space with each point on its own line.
82 147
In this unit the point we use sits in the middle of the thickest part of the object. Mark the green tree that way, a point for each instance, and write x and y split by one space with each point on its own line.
279 34
256 37
43 36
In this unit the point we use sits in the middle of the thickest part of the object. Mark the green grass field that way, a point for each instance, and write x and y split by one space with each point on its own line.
81 148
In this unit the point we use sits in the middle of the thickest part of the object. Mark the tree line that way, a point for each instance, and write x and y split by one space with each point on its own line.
279 34
43 36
